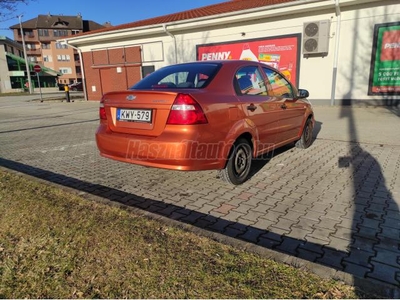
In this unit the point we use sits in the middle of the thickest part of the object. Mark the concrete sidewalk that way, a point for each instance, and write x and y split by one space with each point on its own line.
374 125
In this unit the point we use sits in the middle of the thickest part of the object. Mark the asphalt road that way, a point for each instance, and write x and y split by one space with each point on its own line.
333 208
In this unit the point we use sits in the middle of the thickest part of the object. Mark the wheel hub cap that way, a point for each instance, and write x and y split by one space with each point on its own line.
241 161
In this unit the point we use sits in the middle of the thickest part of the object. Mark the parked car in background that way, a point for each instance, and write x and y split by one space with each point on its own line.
77 86
205 115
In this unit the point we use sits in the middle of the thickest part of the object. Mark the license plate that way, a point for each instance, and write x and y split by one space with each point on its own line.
134 115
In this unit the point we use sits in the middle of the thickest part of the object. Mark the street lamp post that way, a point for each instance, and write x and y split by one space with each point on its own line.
28 72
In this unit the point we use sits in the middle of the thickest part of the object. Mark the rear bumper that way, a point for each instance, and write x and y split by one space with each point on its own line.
186 154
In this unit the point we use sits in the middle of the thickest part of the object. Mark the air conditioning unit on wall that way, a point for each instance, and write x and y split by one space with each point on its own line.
316 37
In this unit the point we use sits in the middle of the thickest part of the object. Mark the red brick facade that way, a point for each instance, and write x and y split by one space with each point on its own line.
111 70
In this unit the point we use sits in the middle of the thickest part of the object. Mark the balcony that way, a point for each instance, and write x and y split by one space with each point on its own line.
46 38
27 37
35 51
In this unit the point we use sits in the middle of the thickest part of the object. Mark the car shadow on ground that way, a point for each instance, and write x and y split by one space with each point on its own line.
259 163
258 240
317 129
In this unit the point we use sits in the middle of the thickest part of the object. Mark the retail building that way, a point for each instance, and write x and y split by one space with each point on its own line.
342 51
13 75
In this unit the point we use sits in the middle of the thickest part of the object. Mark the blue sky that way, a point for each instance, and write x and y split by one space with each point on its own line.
115 11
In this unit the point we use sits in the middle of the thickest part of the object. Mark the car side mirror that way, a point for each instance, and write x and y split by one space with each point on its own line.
303 94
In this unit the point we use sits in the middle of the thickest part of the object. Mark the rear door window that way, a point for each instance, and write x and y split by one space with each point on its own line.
249 81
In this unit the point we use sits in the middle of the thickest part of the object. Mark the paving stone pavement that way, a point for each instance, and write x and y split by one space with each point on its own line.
335 204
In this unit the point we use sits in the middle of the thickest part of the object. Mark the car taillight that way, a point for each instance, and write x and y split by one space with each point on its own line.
186 111
102 112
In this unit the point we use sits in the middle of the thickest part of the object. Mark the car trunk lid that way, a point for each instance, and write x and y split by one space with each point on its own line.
138 112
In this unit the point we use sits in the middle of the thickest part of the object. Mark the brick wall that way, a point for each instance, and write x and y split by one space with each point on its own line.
92 75
116 56
113 80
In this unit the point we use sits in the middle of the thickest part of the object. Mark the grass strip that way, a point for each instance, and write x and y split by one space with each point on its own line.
55 244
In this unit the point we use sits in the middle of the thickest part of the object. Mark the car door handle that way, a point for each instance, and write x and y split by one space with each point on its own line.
283 106
251 107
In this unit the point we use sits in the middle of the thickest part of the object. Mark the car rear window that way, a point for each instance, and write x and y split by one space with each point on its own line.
193 76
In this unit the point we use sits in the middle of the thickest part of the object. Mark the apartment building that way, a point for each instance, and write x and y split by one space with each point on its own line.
41 35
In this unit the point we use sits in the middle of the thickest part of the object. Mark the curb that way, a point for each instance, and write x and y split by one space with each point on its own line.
59 99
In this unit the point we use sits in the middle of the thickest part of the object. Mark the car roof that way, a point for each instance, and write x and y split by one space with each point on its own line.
224 62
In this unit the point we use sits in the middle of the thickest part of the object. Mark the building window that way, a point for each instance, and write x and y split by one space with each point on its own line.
63 57
30 46
28 33
66 70
78 70
47 58
61 46
75 32
45 45
60 32
32 58
43 32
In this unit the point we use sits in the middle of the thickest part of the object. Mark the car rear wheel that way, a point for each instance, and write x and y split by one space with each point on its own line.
306 137
238 166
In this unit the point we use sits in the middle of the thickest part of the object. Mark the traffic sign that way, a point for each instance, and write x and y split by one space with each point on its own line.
37 68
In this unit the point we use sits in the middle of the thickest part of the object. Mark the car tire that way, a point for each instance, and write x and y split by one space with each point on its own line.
306 136
238 166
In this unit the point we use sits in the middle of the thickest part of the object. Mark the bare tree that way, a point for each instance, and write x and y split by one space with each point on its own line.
9 7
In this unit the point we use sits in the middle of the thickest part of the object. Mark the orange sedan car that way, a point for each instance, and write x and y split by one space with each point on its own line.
203 116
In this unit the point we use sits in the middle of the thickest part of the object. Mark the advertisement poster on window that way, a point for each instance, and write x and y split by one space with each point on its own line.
385 61
281 52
